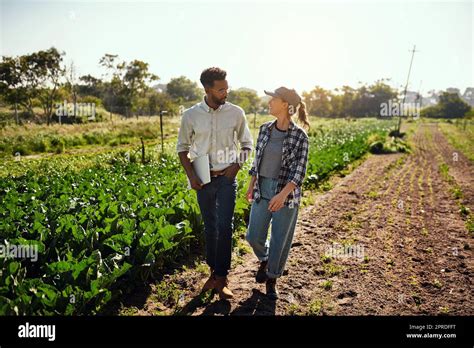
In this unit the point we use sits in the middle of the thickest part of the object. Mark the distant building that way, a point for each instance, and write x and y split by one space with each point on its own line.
429 101
433 96
160 88
468 96
453 91
412 97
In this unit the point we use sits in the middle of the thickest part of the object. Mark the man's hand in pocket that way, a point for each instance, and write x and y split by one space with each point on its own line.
231 171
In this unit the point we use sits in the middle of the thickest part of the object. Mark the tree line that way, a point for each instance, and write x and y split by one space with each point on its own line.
32 85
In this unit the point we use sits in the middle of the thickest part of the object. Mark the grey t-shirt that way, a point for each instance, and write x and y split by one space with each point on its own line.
271 159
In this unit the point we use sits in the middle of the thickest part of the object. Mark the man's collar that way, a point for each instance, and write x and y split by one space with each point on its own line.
207 108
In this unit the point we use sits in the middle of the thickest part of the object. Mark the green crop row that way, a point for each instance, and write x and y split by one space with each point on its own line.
332 149
100 229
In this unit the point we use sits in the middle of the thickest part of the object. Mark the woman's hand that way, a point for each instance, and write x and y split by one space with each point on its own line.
277 202
249 194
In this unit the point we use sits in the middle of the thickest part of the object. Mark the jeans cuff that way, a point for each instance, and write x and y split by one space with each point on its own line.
273 275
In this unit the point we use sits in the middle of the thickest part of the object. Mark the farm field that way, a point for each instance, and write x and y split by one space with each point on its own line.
357 217
106 220
103 220
409 212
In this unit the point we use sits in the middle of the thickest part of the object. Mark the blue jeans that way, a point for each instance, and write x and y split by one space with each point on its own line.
217 201
283 222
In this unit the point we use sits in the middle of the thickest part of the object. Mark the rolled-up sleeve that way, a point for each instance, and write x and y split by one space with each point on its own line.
243 133
185 134
298 168
253 170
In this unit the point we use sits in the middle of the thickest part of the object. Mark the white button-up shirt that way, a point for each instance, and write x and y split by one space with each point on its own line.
214 132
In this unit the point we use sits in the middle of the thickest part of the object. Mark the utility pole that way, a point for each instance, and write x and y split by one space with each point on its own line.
406 87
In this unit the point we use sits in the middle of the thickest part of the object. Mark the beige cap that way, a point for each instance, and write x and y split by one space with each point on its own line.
288 95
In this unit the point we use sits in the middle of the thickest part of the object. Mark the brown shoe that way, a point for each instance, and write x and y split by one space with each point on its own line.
210 282
272 291
222 289
261 276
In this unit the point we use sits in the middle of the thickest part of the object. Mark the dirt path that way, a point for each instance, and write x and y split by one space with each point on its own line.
407 248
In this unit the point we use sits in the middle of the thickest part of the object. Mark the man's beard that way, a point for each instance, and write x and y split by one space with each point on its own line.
219 101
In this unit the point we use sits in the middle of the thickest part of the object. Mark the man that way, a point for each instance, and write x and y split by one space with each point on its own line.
211 127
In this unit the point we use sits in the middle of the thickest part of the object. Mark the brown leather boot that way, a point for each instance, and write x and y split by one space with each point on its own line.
222 289
261 276
210 282
272 291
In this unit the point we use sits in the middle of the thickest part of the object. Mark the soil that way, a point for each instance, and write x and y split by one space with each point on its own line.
407 248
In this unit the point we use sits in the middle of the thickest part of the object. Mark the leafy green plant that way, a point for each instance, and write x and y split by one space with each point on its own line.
97 231
334 148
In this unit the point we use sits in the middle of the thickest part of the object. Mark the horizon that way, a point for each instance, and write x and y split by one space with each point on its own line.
361 42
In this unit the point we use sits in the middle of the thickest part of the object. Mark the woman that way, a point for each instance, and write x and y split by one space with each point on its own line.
275 188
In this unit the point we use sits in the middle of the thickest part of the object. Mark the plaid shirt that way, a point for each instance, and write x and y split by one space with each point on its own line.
293 161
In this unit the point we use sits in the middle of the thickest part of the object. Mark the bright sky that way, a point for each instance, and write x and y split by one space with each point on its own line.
262 44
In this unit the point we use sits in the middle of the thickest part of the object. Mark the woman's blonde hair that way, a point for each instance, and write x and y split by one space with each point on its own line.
302 114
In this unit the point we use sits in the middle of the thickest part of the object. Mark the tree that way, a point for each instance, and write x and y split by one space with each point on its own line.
128 82
246 99
380 93
348 97
10 82
318 102
361 104
157 101
32 78
136 80
91 85
183 90
450 105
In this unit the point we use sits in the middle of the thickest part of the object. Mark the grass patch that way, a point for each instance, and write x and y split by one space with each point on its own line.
437 284
327 285
293 309
326 258
167 293
331 270
461 138
315 307
458 195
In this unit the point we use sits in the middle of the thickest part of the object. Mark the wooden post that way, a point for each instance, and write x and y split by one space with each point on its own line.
161 129
16 114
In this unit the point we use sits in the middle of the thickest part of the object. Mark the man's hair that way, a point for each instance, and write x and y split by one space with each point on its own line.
209 75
